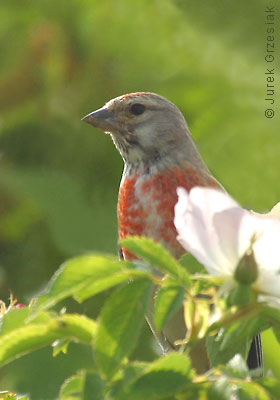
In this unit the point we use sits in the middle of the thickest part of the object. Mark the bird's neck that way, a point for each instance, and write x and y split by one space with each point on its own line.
140 168
165 163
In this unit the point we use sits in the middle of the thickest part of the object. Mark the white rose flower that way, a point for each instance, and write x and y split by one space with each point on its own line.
218 233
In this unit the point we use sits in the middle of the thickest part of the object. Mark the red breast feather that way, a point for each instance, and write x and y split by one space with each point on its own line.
146 204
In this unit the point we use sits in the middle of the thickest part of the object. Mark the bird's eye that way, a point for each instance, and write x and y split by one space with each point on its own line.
137 109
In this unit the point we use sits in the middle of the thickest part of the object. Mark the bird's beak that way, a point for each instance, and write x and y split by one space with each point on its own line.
103 118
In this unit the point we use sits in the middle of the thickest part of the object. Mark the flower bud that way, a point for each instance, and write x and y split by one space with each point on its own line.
19 305
246 271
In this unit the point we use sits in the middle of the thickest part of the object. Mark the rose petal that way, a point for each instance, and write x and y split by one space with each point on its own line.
267 254
194 215
218 232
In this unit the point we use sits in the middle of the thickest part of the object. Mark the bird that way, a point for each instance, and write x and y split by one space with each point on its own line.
159 154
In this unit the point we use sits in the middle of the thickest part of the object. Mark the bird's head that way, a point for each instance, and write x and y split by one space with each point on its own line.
144 126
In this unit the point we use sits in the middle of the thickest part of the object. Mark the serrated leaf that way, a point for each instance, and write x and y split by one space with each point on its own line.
133 371
34 336
60 346
120 322
72 388
168 299
84 385
164 377
157 256
83 277
94 387
107 282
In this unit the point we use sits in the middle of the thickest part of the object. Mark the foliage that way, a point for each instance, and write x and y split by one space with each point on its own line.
112 373
59 177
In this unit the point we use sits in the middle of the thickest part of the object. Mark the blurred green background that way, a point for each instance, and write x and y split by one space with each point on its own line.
59 177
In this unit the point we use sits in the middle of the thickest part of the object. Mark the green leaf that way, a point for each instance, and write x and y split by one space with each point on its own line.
234 338
157 256
221 390
271 352
234 335
191 264
60 346
120 322
164 377
168 299
6 395
236 368
118 388
36 335
13 319
73 387
272 386
276 332
251 390
133 371
108 281
83 277
222 347
84 385
94 387
272 315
